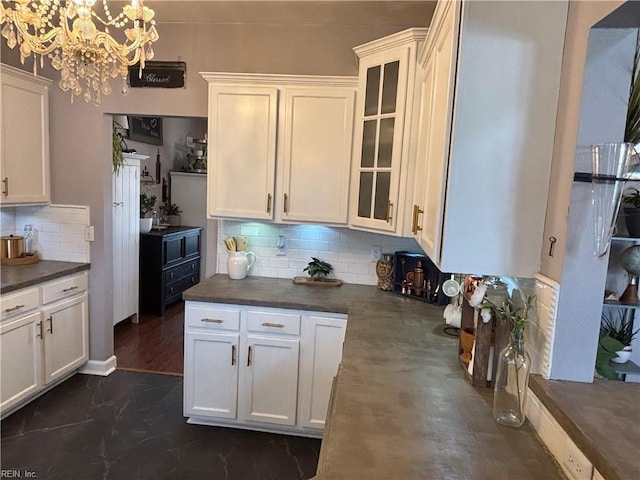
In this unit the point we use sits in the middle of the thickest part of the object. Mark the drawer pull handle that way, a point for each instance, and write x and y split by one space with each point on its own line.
273 325
268 203
50 319
5 192
13 309
249 357
65 290
233 355
193 267
172 274
211 320
39 335
286 201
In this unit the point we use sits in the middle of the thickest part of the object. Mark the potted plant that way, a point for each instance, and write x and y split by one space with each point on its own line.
172 213
616 336
631 208
318 270
147 202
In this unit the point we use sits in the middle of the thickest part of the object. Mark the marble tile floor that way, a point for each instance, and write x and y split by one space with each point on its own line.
130 426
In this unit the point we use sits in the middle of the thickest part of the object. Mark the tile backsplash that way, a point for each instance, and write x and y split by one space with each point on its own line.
349 251
58 230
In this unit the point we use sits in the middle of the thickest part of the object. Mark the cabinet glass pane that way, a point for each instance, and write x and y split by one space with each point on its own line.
390 87
383 183
364 200
385 150
368 143
373 88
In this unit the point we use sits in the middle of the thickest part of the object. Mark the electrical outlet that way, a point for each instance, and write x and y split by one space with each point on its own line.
576 464
375 253
89 234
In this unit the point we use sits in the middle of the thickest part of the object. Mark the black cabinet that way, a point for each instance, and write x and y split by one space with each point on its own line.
169 264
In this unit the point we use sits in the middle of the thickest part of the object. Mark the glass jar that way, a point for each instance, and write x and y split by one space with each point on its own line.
384 272
29 248
512 382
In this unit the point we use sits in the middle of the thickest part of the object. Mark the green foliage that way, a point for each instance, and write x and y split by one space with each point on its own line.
317 269
631 197
170 209
517 317
118 157
632 126
147 202
607 348
619 329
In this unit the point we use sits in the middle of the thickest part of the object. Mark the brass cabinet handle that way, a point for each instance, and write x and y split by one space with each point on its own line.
273 325
286 199
211 320
249 357
65 290
5 192
415 228
389 211
268 203
50 319
233 355
39 325
13 309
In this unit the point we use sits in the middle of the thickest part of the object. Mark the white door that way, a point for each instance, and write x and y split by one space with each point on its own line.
242 151
126 240
316 154
269 380
24 143
437 141
211 374
66 339
21 357
322 339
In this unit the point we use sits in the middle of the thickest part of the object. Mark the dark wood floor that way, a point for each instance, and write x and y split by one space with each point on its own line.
155 344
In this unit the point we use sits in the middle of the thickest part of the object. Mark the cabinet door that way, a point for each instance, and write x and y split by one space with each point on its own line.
378 140
24 143
441 75
242 151
20 354
269 380
211 374
66 340
322 339
316 154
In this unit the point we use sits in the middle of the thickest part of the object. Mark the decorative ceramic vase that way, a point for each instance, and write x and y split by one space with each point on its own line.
512 382
239 263
623 355
145 225
384 271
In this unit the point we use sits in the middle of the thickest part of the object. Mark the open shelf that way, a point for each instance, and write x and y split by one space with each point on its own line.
627 368
617 304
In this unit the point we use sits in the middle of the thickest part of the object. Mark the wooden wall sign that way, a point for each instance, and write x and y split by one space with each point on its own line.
146 130
158 75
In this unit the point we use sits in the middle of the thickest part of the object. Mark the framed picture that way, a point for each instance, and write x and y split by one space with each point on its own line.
146 130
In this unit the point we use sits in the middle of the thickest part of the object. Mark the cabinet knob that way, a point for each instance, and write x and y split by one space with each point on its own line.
193 266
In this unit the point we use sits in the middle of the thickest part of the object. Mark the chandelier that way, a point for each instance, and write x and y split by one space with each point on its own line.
77 41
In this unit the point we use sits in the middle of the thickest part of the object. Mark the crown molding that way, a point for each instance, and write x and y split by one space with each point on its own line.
280 79
25 74
416 34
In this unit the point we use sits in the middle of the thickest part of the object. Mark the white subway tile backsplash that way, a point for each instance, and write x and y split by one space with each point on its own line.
347 250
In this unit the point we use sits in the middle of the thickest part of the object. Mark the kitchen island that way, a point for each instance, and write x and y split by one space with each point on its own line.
401 405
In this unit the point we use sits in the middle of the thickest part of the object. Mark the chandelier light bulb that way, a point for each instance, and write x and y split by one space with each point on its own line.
77 40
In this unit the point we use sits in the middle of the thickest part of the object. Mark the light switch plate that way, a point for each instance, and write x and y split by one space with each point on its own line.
89 233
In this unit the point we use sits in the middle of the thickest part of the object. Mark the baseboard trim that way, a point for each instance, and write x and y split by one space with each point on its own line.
103 368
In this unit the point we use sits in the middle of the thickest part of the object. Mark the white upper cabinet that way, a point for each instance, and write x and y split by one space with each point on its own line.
490 76
24 138
382 153
277 143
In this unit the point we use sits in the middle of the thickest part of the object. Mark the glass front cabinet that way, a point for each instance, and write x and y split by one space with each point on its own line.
382 131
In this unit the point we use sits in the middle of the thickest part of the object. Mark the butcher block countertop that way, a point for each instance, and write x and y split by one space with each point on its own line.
21 276
401 407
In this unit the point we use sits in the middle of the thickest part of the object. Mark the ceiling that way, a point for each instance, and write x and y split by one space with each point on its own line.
340 12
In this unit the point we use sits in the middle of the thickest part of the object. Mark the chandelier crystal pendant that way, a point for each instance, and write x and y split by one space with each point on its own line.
77 41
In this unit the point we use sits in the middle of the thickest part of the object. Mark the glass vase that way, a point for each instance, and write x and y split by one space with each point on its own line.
512 383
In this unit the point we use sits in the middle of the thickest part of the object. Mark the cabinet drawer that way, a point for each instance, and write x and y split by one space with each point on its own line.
175 273
203 315
19 302
191 245
173 291
66 287
273 322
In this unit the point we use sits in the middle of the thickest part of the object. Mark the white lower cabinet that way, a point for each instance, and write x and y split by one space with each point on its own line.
260 368
43 337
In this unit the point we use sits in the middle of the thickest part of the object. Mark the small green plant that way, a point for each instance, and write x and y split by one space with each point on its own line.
632 126
170 209
147 202
631 197
317 269
618 329
118 157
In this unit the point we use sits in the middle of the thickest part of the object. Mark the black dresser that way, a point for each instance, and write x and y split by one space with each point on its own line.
169 264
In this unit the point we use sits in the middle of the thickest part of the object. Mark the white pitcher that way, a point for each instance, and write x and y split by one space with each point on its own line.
239 263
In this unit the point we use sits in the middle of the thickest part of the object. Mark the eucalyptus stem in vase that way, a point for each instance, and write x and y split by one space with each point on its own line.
512 378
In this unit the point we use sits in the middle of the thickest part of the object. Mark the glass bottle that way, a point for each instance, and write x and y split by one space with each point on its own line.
156 220
384 271
512 382
28 240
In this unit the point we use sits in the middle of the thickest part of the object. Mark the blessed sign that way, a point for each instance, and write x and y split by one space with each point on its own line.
159 75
